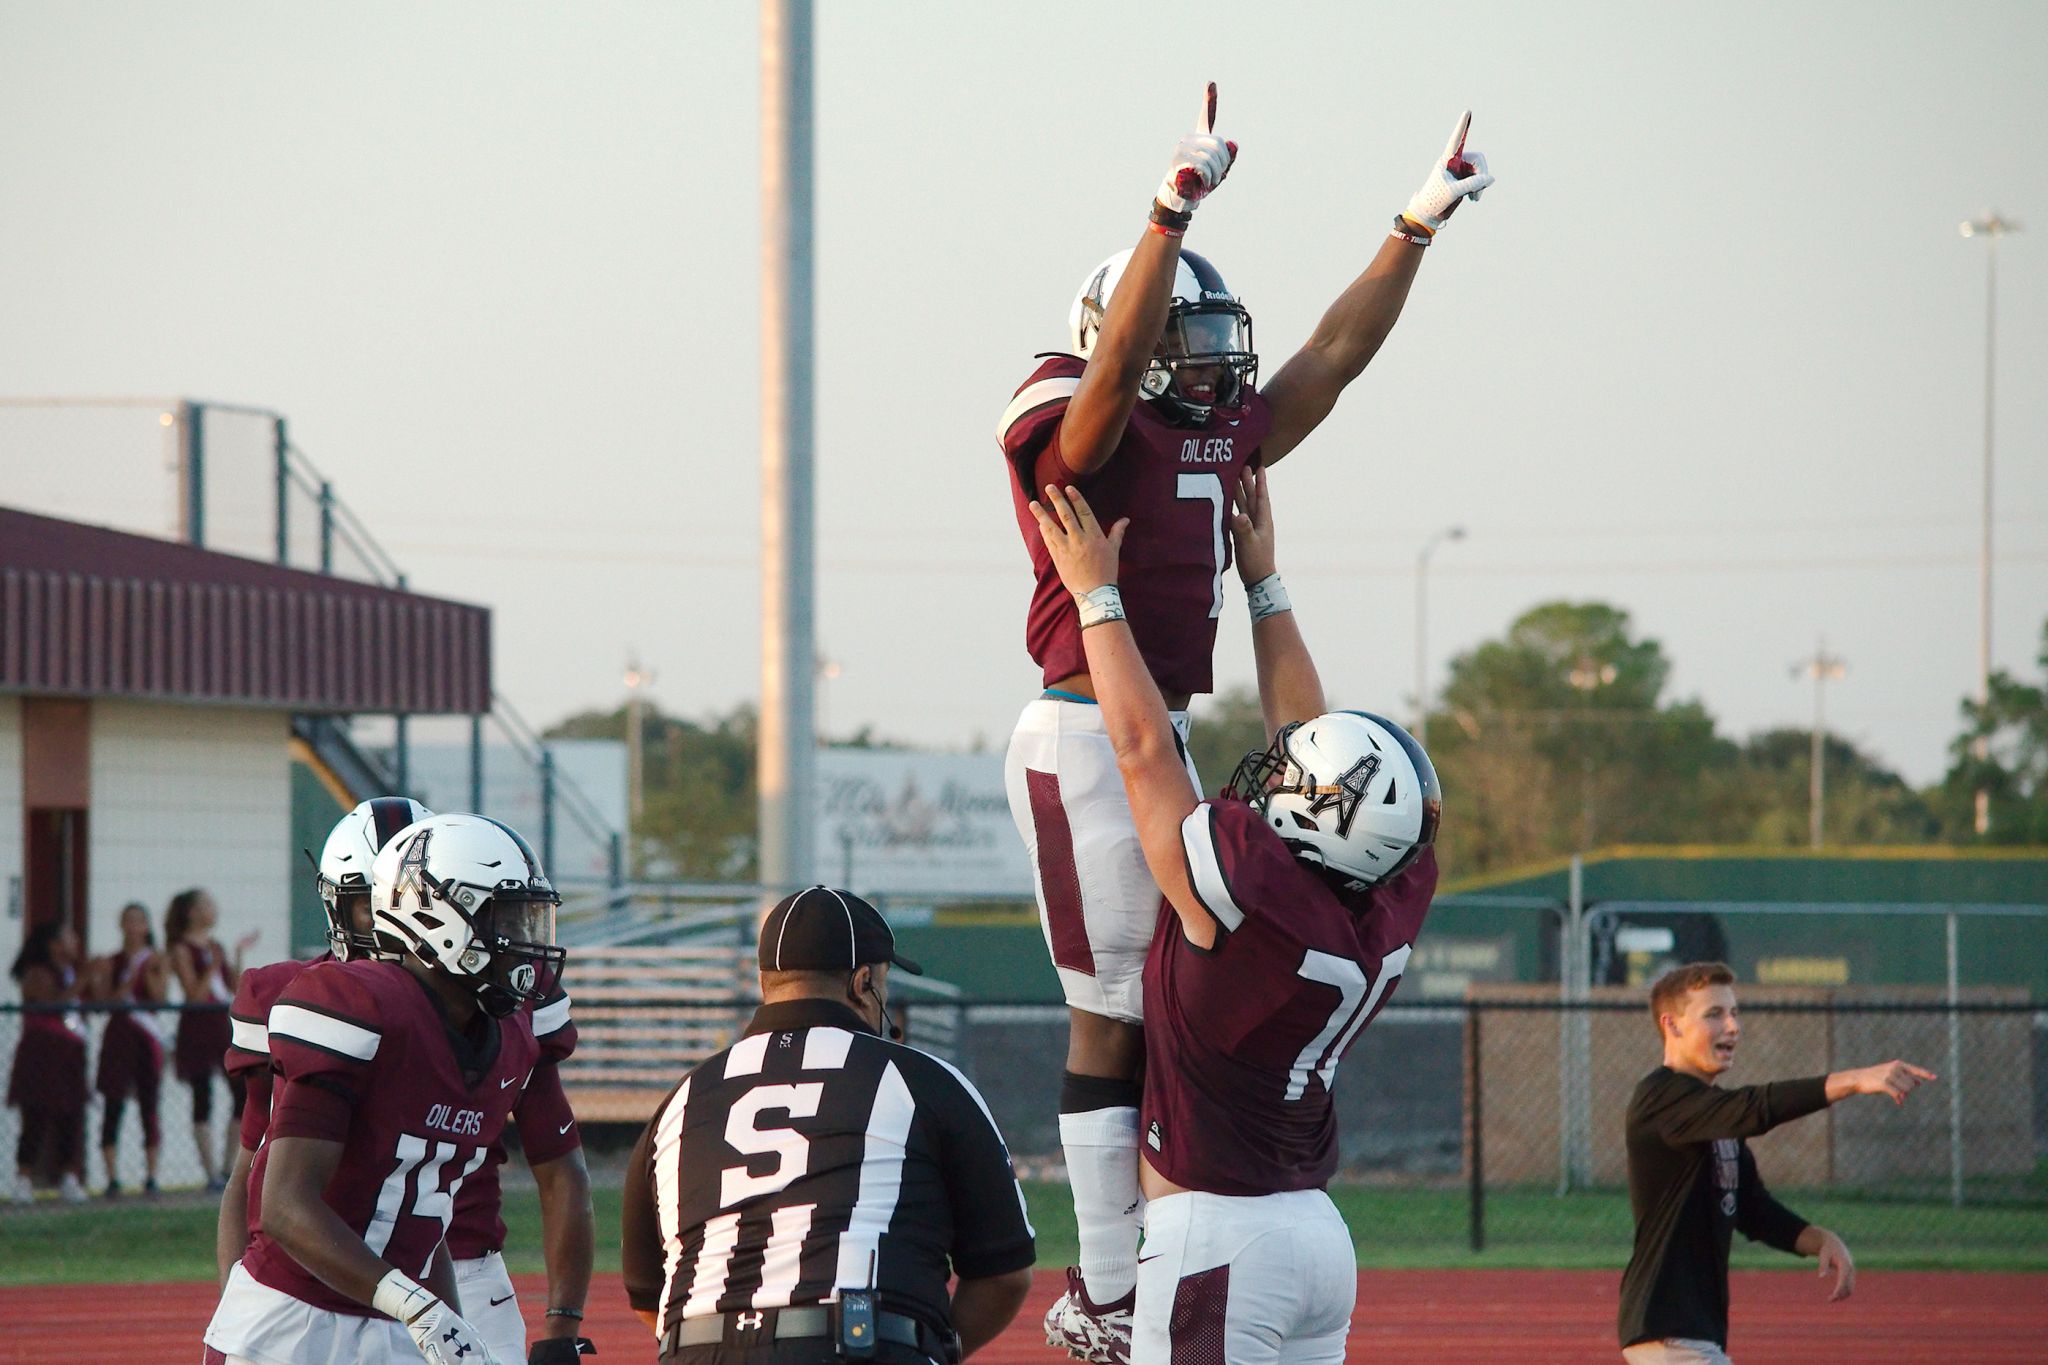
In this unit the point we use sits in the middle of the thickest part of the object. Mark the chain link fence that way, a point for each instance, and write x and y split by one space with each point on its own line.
1495 1125
33 1078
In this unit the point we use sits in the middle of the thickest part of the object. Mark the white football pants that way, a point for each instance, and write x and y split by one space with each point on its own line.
1248 1281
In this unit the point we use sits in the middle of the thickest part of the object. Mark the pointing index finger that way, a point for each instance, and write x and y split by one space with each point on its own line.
1208 119
1455 149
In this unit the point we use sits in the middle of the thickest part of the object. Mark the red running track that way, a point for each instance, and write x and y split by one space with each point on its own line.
1403 1315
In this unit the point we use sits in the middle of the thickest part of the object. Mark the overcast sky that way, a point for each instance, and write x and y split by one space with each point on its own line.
1712 349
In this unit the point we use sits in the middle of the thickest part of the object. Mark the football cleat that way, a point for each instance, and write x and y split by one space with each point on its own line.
1086 1330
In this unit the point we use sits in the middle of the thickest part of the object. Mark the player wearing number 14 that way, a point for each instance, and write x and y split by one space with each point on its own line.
394 1078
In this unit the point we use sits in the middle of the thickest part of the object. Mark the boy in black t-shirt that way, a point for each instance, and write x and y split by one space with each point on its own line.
1691 1179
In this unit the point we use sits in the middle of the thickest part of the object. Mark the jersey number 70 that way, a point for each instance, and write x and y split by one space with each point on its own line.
1354 1006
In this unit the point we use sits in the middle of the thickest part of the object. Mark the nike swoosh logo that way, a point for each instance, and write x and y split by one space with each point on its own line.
502 1084
566 1127
507 1299
1153 1257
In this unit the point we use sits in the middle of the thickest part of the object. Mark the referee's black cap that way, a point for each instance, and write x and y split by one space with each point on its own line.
823 930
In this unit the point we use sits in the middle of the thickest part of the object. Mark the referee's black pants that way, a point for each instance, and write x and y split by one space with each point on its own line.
810 1351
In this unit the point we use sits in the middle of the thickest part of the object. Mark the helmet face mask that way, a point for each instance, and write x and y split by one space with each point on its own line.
1349 791
466 896
1205 359
517 958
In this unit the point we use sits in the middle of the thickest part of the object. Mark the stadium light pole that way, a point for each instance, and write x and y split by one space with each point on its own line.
787 745
638 680
1991 227
1422 629
1823 668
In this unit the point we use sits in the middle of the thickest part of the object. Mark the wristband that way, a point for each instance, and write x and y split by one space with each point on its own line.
1099 606
574 1314
1267 597
1170 222
1408 230
400 1296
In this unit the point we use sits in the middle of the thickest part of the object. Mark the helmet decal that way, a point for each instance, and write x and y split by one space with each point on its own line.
1347 793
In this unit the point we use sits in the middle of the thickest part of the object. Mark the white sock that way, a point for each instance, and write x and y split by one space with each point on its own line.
1102 1165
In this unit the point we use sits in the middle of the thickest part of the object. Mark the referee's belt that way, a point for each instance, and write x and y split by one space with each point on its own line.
764 1325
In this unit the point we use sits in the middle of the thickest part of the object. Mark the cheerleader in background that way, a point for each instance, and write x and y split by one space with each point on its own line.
132 1048
48 1083
206 976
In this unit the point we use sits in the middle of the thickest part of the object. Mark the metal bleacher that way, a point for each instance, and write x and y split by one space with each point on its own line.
645 1015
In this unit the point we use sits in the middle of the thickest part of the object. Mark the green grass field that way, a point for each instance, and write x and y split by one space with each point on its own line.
133 1241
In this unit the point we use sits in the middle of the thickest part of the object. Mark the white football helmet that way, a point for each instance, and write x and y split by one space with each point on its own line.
343 868
466 894
1204 360
1349 791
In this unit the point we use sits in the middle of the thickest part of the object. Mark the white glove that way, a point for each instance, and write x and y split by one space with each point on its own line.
443 1336
1200 161
1456 176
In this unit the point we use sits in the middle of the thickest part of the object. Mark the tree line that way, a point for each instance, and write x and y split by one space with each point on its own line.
1558 737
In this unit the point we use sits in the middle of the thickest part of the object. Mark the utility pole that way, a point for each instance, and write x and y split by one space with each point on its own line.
1990 227
1422 629
1823 668
787 754
638 680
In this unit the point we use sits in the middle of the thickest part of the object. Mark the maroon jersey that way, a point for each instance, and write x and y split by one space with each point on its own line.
1176 484
364 1056
547 1130
1242 1040
249 1051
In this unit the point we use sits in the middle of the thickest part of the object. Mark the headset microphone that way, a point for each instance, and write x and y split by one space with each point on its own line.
888 1023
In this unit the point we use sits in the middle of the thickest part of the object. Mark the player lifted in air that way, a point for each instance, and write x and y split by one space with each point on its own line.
1292 904
1154 415
393 1080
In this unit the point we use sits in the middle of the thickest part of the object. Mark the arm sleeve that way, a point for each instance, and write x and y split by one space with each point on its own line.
249 1036
1683 1110
992 1233
325 1037
1229 851
255 1105
1760 1217
1030 428
640 1224
547 1125
553 1029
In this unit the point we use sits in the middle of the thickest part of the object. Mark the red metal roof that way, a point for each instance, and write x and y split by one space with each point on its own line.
85 611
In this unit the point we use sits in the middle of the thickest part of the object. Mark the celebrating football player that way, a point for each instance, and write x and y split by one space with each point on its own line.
394 1080
1154 415
547 1127
1291 906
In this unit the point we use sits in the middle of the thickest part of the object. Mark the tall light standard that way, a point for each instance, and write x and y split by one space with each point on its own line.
1990 227
1588 675
1823 668
638 680
1422 629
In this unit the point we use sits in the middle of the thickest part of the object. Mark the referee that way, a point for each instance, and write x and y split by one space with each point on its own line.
805 1194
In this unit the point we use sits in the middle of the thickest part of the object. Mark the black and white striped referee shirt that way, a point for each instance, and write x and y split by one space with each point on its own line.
812 1156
